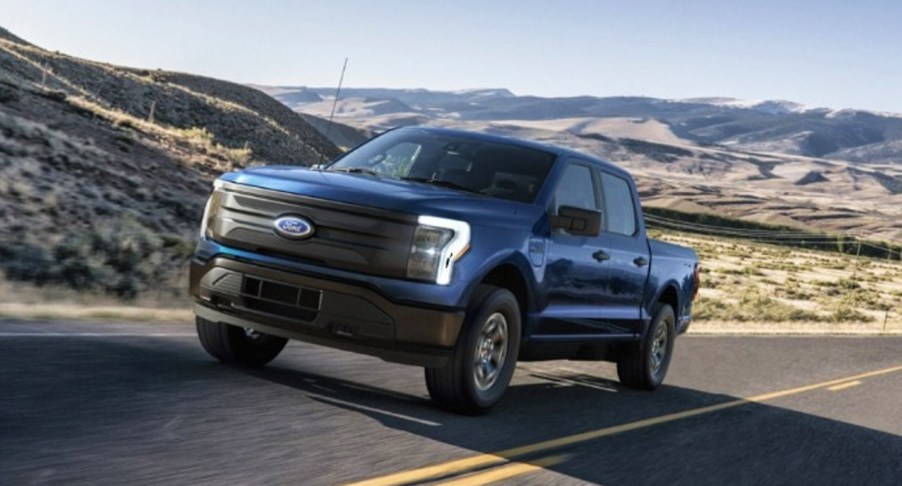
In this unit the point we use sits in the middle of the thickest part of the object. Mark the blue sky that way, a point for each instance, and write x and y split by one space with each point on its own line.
822 53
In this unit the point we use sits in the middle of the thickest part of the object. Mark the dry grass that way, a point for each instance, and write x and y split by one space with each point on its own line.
120 313
795 328
20 300
29 294
196 139
759 288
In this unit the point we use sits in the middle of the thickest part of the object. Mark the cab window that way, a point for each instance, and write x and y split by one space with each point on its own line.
620 216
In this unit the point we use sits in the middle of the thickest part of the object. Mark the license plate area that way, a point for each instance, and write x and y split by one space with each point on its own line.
280 299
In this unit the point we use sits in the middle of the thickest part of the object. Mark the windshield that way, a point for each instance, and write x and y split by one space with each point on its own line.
501 170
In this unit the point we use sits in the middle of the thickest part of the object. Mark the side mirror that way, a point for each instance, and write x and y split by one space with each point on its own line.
577 221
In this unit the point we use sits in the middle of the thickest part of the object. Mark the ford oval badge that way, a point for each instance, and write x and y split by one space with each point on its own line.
293 227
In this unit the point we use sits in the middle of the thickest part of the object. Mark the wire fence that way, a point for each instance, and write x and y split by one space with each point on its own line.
718 226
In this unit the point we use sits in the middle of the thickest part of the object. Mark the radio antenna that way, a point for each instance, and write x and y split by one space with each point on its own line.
334 104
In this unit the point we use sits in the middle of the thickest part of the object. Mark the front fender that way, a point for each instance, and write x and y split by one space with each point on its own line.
516 260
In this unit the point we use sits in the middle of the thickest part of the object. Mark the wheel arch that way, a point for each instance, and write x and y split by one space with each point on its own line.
510 276
670 295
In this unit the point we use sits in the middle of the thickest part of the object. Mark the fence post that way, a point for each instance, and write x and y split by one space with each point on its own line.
889 261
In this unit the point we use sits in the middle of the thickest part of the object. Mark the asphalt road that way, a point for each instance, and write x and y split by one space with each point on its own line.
84 403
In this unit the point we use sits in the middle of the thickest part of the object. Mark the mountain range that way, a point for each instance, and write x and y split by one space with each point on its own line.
770 125
770 161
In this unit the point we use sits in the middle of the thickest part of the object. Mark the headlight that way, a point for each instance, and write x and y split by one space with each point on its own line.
210 211
437 244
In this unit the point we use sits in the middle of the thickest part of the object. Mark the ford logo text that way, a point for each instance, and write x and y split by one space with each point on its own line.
293 227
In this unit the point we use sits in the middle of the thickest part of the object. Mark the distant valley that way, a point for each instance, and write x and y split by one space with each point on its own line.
770 161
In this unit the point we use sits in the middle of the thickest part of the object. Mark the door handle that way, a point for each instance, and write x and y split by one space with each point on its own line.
640 261
601 256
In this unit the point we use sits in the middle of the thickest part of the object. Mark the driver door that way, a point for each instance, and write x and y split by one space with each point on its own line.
576 281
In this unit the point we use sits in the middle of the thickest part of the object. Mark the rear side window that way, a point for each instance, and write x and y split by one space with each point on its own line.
618 201
576 188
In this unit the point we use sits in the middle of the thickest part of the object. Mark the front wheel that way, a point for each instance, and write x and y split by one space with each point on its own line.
236 345
643 365
485 357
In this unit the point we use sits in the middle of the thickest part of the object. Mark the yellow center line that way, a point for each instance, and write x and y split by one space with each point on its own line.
484 460
506 472
843 386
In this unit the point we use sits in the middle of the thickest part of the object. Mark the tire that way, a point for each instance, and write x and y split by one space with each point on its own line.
238 346
485 356
643 365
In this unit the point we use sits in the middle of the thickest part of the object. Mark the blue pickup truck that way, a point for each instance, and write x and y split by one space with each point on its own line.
455 251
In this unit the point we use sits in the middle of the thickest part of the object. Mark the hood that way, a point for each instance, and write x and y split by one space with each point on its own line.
385 193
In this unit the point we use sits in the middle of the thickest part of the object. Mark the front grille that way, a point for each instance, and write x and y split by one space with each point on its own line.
347 237
280 299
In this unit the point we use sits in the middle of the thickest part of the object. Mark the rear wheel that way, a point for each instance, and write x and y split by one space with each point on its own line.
236 345
643 365
485 357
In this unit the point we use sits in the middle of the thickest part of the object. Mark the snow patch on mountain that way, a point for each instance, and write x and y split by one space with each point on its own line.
776 107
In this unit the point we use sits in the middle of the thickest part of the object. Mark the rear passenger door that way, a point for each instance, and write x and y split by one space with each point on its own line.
626 269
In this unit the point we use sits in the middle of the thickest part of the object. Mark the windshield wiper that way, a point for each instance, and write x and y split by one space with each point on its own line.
356 170
440 182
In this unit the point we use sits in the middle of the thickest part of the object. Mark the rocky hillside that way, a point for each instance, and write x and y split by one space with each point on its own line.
104 170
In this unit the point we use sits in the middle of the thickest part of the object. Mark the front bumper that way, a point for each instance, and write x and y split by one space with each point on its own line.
337 314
